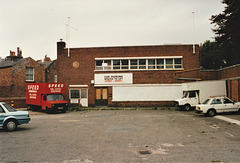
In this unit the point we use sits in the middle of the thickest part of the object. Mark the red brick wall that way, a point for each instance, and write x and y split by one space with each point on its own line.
232 75
5 79
230 72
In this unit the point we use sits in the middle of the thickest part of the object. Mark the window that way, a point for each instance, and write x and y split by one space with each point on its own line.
227 101
55 97
134 63
169 63
29 74
103 64
192 94
1 109
178 63
74 93
216 101
9 108
116 64
151 64
78 93
160 63
142 63
99 65
124 64
83 93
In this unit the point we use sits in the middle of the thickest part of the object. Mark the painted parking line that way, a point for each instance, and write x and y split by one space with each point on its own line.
227 119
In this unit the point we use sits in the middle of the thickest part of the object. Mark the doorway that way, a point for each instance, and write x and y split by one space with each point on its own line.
101 97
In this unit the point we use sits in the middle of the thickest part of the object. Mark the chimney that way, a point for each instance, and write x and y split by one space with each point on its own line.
61 44
46 59
12 53
19 52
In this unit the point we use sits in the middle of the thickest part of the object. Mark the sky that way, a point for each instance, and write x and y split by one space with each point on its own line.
37 25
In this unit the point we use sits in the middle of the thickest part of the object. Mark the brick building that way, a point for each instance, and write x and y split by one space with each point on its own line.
125 76
230 74
15 72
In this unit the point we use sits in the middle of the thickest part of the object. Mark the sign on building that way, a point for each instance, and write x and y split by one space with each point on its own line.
113 79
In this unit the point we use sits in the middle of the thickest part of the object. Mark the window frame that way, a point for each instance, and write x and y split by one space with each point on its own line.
29 74
74 97
137 63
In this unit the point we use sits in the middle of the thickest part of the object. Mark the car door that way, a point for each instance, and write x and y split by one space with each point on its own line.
193 98
229 105
217 104
2 115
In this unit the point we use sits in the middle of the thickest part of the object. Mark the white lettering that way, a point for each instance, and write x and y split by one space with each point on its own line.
55 85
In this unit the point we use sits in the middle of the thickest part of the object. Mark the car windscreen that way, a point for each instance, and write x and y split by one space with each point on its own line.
55 97
9 108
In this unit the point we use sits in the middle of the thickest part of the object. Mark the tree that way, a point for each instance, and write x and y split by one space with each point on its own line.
227 31
210 56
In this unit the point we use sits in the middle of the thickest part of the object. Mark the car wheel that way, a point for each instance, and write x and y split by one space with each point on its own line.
10 125
187 107
211 112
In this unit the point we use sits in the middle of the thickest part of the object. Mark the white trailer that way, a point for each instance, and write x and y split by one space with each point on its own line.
195 93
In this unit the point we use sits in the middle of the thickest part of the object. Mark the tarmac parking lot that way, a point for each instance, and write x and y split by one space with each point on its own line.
122 136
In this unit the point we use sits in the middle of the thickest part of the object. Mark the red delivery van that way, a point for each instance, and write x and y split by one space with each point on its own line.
47 96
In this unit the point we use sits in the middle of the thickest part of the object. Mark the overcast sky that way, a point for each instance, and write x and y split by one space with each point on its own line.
37 25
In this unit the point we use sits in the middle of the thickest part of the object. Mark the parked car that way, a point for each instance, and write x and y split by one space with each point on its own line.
212 106
11 118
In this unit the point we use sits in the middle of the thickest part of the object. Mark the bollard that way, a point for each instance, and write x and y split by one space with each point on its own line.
12 103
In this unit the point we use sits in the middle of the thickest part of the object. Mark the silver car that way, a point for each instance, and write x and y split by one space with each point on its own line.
11 118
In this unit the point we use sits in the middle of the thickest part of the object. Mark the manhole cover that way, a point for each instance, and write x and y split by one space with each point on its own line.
145 152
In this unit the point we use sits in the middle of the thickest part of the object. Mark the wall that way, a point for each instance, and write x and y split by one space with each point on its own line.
232 75
147 92
51 71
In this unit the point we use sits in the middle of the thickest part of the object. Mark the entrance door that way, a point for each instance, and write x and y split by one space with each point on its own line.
101 97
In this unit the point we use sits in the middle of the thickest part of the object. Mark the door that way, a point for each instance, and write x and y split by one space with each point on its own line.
101 97
84 97
193 98
229 105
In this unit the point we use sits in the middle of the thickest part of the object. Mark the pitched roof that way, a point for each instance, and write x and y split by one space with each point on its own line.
6 64
47 64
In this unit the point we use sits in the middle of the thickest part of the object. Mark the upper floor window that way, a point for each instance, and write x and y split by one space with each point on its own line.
29 74
140 63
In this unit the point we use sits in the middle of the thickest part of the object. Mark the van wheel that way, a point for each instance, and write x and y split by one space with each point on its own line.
49 111
29 107
211 112
187 107
10 125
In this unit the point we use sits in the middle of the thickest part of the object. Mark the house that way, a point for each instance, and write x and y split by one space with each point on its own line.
16 71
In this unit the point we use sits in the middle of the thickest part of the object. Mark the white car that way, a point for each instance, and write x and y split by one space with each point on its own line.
212 106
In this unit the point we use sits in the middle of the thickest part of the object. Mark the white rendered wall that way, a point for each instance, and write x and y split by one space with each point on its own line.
164 92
